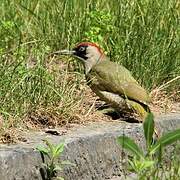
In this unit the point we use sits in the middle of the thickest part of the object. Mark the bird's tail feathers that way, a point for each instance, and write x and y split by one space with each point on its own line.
141 109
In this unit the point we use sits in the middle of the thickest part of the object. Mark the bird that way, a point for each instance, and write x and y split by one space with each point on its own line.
110 81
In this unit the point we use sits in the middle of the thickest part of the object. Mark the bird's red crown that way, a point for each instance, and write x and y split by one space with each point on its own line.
90 44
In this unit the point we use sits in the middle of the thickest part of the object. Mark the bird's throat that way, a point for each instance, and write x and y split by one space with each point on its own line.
91 62
88 67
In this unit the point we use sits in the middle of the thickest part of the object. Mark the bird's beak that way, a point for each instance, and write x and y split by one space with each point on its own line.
64 52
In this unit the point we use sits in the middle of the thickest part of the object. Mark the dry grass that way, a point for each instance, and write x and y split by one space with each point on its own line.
163 102
83 112
11 135
78 104
47 118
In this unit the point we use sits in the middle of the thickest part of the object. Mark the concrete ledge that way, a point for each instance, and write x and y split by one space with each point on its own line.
92 148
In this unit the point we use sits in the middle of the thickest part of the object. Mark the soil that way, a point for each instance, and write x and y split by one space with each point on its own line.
88 112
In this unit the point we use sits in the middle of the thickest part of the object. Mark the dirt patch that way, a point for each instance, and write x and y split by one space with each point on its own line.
85 112
163 102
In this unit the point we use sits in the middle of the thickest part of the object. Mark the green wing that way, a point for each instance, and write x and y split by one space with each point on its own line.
111 77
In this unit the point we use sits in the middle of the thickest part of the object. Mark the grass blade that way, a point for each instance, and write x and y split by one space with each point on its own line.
148 126
167 139
130 145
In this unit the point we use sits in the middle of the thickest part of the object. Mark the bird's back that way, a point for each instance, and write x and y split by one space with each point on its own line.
112 77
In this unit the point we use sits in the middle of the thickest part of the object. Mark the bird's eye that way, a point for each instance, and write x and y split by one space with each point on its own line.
82 48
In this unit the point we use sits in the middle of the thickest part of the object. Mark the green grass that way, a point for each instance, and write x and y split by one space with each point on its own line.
143 35
168 169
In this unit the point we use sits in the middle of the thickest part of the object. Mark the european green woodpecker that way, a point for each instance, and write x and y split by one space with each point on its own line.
112 82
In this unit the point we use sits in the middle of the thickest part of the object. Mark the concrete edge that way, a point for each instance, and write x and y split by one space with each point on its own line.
93 149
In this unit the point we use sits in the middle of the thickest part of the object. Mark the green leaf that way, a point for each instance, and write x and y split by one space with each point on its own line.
159 154
148 164
140 165
59 149
148 126
132 166
50 146
165 140
130 145
42 150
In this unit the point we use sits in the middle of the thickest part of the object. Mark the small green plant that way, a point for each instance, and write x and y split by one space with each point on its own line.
53 152
100 28
152 158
